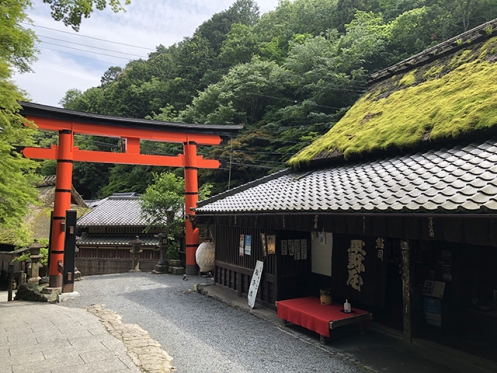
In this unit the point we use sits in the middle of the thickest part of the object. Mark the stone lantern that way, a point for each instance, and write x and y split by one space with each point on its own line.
34 250
162 266
136 251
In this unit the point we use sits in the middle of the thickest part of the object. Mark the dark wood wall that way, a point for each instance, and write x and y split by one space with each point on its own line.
107 260
283 276
234 271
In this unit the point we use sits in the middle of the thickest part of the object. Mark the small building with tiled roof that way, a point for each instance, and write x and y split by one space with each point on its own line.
394 209
106 233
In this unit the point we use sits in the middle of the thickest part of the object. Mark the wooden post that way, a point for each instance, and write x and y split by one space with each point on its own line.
62 203
9 284
191 198
406 290
69 252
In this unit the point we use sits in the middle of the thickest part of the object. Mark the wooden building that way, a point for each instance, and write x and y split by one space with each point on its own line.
106 233
394 209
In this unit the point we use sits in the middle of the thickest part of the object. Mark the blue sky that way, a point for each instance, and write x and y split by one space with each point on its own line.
114 38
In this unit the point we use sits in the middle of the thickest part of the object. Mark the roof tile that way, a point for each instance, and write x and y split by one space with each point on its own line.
114 211
463 178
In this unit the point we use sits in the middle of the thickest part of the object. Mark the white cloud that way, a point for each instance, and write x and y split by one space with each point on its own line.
147 24
54 75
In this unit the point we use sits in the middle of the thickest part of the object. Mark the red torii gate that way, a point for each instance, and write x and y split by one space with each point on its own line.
68 122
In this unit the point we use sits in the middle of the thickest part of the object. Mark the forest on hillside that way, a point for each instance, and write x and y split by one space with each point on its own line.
287 76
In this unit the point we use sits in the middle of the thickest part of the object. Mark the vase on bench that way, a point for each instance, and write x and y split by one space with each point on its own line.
325 297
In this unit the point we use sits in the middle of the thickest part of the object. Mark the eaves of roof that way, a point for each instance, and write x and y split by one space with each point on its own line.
457 180
88 239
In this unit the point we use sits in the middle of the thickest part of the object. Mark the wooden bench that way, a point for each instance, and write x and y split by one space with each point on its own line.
309 313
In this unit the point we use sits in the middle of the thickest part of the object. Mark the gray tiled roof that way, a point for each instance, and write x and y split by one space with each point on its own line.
458 179
114 211
115 239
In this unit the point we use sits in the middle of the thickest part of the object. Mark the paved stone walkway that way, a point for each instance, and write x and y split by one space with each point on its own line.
40 337
145 352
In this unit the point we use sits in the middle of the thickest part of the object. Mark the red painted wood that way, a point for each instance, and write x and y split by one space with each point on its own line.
191 199
122 158
62 203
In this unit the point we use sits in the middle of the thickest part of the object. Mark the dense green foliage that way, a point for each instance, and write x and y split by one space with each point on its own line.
71 12
17 174
288 76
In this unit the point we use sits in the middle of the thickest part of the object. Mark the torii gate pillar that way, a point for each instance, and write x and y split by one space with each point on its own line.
191 198
62 203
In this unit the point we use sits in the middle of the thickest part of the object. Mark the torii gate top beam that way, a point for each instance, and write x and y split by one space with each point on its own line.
55 119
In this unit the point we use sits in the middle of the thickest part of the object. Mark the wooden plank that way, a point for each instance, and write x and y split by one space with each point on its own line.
239 283
254 283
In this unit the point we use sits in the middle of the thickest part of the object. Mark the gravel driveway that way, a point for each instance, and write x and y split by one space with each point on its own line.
201 334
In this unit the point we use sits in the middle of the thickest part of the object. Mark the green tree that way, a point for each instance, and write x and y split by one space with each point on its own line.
346 10
199 64
127 178
69 99
71 12
288 76
16 53
163 203
16 173
240 46
470 13
110 75
242 96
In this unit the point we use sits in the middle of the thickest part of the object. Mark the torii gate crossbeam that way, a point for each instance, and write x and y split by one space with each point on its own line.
68 123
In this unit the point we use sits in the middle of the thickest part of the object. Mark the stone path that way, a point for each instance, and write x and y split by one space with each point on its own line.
40 337
145 352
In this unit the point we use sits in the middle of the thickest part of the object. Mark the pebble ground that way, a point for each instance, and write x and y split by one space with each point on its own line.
202 334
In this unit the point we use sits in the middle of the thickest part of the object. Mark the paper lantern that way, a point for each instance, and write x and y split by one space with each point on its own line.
205 256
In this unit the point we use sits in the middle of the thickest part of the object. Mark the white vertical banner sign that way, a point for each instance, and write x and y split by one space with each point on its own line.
254 283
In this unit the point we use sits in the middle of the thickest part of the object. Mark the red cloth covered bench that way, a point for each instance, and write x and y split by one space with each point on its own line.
309 313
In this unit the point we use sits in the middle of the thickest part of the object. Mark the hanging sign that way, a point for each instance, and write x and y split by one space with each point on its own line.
296 249
248 244
303 249
271 244
284 247
254 283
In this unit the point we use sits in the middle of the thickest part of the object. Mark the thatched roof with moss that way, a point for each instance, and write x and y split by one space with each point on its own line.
444 93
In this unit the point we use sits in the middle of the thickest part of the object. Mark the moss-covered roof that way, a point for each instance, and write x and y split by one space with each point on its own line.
447 98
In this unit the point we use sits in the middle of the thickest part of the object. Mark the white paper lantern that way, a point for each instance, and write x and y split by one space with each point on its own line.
205 256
